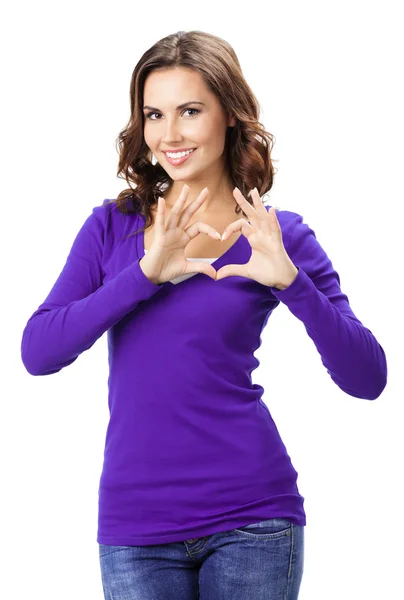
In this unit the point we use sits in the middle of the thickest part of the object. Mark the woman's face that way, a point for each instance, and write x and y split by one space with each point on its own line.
202 126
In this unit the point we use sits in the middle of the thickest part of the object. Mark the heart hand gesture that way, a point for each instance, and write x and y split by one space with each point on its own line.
269 263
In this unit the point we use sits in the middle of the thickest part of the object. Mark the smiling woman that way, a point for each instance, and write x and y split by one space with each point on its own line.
198 493
177 131
188 92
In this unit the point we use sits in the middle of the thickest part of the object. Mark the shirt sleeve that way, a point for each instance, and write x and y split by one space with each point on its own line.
354 359
80 308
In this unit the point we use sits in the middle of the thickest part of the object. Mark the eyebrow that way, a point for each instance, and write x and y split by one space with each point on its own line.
178 107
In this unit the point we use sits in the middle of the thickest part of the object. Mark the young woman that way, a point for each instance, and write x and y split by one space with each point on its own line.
198 495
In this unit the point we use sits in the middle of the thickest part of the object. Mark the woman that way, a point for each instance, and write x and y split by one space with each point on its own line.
198 495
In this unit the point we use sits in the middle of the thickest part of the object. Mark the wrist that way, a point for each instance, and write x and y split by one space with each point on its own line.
144 268
286 283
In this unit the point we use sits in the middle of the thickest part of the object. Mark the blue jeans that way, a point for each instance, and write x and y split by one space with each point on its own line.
259 561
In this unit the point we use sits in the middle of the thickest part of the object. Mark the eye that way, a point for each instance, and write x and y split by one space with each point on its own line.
148 115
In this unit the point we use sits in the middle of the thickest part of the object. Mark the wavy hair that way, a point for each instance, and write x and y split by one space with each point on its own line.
247 145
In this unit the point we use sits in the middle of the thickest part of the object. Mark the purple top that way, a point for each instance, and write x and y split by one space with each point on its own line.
191 449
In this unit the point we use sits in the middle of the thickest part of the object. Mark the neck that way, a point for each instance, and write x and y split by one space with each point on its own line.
219 200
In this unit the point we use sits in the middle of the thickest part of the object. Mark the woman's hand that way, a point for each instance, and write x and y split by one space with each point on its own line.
269 263
166 260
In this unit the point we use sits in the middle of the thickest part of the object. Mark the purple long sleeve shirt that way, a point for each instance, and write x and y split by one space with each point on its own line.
191 449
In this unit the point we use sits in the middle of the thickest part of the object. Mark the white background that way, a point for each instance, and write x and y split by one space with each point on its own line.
328 77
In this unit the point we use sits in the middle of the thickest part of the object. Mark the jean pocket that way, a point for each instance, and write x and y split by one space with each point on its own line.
270 528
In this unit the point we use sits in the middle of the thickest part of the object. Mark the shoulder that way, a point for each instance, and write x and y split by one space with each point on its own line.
288 219
116 219
299 238
303 246
108 226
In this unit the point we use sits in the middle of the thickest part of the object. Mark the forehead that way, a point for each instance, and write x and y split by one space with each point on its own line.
175 85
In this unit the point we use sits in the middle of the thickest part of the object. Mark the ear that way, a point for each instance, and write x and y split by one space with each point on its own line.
231 122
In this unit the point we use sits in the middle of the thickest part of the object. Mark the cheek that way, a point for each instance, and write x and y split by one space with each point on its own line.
208 140
149 138
213 134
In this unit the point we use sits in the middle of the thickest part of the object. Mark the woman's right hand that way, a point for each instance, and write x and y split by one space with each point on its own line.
165 260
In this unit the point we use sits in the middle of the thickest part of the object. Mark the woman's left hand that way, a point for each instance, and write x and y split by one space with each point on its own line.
269 263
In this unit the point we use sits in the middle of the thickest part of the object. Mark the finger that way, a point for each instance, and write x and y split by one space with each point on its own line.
246 207
160 216
275 228
200 227
239 225
192 208
205 268
258 205
177 208
231 271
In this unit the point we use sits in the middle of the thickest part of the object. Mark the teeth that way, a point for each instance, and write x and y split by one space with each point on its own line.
178 154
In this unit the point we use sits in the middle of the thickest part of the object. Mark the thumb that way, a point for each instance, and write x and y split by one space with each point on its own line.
230 271
204 268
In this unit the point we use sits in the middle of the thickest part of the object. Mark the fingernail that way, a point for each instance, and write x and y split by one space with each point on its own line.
224 236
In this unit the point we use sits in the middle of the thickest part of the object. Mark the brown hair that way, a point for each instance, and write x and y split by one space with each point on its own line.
247 147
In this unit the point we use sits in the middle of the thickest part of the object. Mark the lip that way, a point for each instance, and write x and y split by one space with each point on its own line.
176 162
179 150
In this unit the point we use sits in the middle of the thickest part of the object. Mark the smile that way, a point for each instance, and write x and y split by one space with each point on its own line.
179 158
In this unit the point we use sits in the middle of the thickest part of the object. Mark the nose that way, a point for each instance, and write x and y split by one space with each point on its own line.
172 134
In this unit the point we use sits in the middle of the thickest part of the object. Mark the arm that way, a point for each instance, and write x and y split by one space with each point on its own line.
354 359
79 308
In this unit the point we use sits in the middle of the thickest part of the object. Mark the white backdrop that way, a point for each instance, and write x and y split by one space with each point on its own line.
328 77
